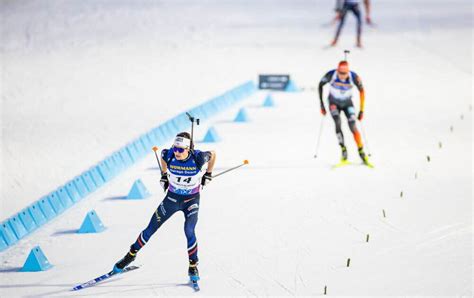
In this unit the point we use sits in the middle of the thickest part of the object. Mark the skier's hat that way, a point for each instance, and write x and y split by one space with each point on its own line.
343 66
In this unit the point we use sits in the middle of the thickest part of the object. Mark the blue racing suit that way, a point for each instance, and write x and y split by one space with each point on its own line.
182 195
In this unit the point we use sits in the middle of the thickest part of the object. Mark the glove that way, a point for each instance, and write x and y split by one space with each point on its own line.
206 179
361 116
164 182
323 110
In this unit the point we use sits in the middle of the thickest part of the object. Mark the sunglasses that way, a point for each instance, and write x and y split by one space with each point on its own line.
342 73
178 149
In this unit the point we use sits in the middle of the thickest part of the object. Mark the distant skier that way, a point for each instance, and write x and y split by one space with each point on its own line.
342 7
182 178
341 81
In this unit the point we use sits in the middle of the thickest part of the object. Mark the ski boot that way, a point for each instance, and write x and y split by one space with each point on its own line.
125 261
344 153
364 157
344 161
193 271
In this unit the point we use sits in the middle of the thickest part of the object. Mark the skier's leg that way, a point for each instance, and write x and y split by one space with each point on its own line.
341 24
337 120
167 207
164 211
335 113
351 118
191 211
355 9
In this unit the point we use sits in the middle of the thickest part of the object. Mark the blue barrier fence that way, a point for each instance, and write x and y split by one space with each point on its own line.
55 203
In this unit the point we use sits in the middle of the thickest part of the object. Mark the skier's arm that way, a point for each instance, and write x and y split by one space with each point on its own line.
211 162
324 81
360 87
210 158
339 4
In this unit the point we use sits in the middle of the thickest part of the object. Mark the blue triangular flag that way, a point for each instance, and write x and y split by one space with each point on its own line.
36 261
138 191
91 224
211 136
291 87
241 116
269 101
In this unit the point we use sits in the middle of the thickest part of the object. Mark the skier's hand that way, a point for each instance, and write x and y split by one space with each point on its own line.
361 116
164 182
206 179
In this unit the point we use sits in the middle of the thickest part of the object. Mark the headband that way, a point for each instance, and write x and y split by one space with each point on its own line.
182 142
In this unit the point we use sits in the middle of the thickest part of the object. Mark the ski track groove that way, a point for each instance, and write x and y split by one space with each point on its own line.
235 280
241 284
283 287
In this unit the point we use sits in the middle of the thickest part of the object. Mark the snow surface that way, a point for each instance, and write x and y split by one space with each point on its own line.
82 78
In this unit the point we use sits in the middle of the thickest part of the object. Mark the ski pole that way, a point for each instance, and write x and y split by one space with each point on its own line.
321 126
366 141
157 158
231 169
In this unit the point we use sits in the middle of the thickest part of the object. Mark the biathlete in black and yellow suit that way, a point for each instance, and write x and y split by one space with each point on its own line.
341 82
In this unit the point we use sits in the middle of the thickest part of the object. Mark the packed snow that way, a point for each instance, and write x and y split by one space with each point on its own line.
82 78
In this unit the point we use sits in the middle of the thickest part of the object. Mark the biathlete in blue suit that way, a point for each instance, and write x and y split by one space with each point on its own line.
342 8
182 178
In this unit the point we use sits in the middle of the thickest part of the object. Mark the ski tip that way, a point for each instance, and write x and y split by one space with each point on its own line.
155 148
368 164
246 162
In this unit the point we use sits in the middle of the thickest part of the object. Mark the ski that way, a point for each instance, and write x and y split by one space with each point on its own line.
367 163
342 163
347 163
102 278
